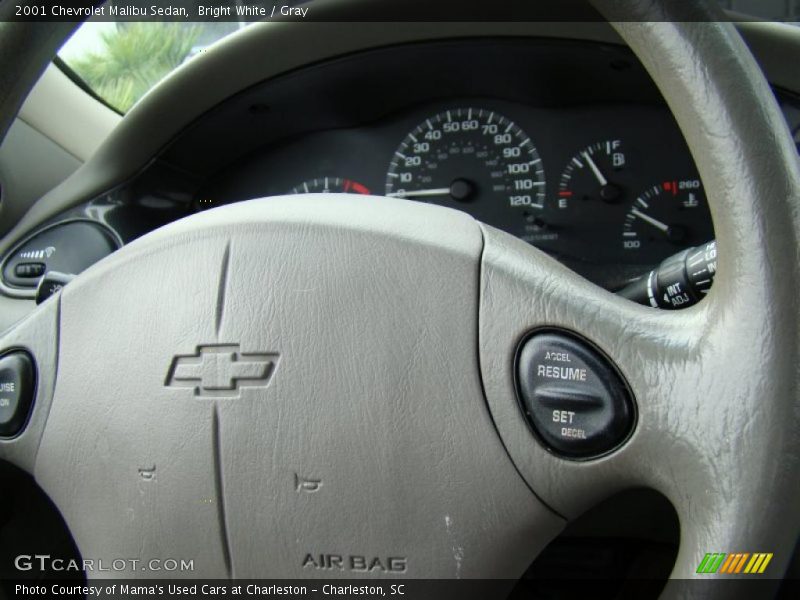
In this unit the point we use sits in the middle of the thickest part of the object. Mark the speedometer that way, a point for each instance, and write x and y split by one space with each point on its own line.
475 157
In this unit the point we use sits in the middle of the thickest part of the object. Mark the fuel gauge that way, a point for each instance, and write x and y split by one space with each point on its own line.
579 222
594 173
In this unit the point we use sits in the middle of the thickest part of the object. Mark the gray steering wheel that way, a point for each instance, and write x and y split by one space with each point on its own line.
270 383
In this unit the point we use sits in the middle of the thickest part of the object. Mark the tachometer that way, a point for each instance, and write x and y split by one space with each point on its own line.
330 185
471 156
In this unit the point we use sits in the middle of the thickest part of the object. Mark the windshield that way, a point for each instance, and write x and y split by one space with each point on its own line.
121 61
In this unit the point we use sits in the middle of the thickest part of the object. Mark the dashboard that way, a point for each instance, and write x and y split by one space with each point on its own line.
600 188
567 145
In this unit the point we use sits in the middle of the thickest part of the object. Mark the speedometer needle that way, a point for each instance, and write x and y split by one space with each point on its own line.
600 177
648 219
420 193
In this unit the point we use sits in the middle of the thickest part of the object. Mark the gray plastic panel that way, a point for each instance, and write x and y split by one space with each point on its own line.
30 166
352 421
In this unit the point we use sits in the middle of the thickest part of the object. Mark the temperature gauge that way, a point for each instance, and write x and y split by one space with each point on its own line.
665 218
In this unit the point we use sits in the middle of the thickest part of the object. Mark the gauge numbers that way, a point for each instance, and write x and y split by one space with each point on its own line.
468 155
665 218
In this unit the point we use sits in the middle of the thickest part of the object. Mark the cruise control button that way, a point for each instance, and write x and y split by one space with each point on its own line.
16 392
575 400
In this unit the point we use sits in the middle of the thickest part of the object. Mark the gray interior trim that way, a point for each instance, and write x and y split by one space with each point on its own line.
38 42
31 164
776 47
70 117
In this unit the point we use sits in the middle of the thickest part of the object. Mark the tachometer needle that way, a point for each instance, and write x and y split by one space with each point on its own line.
600 178
648 219
420 193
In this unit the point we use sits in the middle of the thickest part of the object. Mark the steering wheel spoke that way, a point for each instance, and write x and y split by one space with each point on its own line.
26 393
702 405
660 356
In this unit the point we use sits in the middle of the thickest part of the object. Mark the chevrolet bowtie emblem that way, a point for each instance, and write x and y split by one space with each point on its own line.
221 370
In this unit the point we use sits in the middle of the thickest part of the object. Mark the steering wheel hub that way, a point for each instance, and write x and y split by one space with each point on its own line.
272 382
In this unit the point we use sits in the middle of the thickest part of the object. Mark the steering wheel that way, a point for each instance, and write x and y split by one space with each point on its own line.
287 386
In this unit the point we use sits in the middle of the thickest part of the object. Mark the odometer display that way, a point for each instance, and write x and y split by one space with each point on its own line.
471 156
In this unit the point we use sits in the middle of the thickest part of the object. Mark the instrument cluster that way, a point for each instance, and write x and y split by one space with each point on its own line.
608 190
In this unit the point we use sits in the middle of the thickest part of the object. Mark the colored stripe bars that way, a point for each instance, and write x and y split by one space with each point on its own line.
737 562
